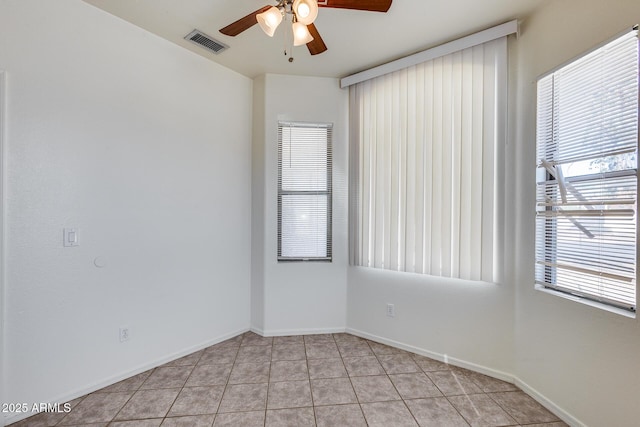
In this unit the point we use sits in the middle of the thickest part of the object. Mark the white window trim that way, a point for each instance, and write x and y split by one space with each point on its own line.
586 301
328 192
573 297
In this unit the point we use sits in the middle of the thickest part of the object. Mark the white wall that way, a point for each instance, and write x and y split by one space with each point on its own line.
471 323
144 147
299 297
585 360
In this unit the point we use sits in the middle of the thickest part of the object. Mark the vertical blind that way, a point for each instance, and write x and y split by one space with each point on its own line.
587 142
423 153
304 191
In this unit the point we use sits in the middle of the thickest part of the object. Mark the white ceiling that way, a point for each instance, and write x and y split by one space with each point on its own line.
356 40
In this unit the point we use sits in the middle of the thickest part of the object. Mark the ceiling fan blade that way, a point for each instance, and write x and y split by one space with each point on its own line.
243 23
372 5
316 45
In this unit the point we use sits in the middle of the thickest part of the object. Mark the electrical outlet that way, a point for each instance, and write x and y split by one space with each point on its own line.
391 310
124 334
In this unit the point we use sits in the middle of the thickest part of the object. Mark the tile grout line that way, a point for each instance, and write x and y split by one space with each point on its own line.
396 388
452 405
62 419
224 391
226 384
350 381
181 389
354 388
313 404
130 397
447 396
266 399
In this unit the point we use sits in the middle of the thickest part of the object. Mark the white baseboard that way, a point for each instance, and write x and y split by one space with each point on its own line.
12 418
286 332
437 356
397 344
540 398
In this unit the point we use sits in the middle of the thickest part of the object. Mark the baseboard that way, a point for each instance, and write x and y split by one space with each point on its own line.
9 419
437 356
303 331
544 401
397 344
540 398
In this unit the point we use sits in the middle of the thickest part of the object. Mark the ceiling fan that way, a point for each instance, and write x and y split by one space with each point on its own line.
301 13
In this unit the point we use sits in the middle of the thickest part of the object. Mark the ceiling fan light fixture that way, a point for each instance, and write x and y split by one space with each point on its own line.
269 20
306 11
301 34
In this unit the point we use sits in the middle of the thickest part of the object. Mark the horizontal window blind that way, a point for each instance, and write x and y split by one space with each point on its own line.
423 153
587 142
304 191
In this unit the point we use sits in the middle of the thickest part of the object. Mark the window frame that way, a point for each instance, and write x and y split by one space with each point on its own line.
550 234
328 192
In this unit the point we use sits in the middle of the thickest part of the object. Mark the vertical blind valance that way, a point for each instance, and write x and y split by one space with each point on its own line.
423 153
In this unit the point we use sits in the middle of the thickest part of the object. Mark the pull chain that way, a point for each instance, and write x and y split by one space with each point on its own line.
286 36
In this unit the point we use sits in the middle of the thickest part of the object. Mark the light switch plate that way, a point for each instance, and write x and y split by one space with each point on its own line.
70 237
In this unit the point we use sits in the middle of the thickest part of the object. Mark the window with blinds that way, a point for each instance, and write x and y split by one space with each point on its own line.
304 191
423 151
587 143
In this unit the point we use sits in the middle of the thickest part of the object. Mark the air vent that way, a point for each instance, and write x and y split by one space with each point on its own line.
200 38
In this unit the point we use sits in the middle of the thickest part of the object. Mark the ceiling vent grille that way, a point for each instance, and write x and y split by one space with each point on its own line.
201 39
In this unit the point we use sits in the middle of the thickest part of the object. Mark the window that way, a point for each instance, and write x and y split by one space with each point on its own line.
424 145
587 144
304 191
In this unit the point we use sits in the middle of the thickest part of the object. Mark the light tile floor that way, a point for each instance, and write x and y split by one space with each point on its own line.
328 380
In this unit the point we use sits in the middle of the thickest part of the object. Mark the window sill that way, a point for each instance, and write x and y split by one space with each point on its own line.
588 302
